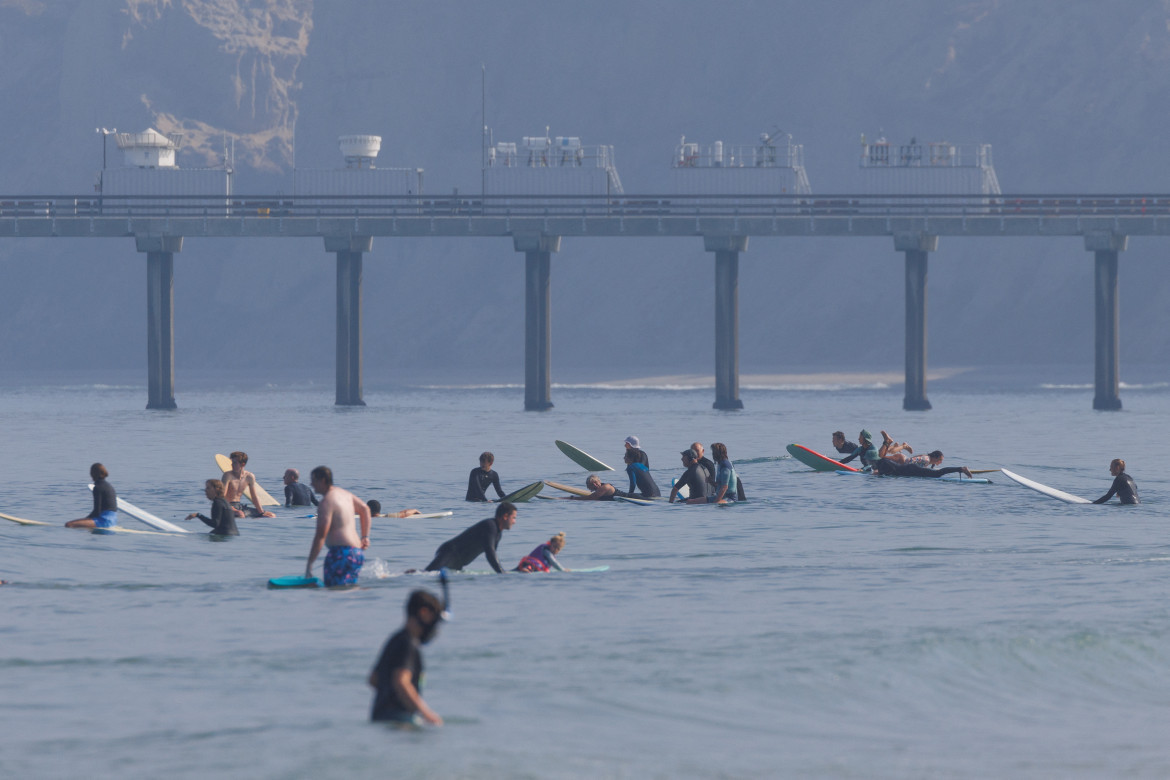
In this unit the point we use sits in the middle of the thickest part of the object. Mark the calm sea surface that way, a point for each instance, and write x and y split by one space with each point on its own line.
835 626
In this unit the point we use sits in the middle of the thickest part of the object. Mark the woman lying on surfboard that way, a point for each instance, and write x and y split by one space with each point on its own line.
888 468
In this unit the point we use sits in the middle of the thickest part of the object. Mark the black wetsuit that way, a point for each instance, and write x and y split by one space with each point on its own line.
697 479
401 651
467 546
299 494
642 485
640 457
846 448
104 499
478 482
222 520
1123 485
889 468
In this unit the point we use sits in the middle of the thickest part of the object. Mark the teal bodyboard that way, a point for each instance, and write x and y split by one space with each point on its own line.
294 582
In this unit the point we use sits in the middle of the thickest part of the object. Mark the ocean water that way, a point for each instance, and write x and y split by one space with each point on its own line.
834 626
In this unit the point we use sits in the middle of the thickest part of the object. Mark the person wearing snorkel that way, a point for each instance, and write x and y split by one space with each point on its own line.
398 677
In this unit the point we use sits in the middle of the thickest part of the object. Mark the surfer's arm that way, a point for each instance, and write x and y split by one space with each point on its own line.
496 484
318 543
489 552
362 510
552 561
406 691
1109 495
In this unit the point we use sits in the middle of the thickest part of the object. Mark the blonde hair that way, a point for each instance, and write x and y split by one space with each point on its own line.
557 542
215 485
1119 462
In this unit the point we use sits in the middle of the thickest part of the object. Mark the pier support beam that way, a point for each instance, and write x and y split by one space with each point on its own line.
1106 331
160 318
726 249
349 251
537 251
917 247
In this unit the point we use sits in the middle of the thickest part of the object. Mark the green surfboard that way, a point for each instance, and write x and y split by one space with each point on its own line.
581 458
524 493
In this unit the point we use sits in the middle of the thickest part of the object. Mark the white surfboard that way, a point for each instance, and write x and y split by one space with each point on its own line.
147 517
1059 495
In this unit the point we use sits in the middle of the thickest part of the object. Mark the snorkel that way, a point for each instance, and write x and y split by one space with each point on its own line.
429 629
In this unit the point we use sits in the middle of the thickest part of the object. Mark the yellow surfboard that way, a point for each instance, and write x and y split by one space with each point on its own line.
225 465
567 488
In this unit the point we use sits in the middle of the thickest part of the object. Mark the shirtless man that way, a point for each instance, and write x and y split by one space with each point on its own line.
601 491
236 481
335 528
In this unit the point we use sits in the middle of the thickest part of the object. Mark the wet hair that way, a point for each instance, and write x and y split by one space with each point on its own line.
838 434
486 458
375 506
934 454
1119 462
215 485
557 542
98 471
719 451
323 473
593 479
295 474
504 508
422 598
242 457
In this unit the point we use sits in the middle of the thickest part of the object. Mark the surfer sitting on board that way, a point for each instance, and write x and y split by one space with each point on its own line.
865 449
888 468
376 510
223 519
635 446
398 675
710 466
601 491
1123 485
642 485
696 478
725 477
480 538
841 445
297 493
237 481
105 502
481 477
544 557
335 514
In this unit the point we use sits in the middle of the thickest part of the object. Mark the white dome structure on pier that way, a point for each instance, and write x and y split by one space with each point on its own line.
148 149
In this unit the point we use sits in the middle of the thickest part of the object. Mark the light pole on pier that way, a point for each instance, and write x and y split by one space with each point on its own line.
104 132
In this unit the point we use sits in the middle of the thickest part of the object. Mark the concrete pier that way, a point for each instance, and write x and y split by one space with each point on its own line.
160 318
917 247
726 249
1106 330
537 251
349 250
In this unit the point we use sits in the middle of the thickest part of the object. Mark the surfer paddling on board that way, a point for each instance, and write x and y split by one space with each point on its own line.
223 519
297 493
376 510
864 449
696 478
600 491
481 478
544 557
480 538
890 447
889 468
335 528
236 482
105 502
398 675
841 445
1123 485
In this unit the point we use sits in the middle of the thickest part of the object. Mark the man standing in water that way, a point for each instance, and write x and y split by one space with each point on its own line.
335 528
236 481
1123 485
398 675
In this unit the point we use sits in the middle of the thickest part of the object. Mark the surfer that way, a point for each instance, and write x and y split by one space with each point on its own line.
236 482
397 677
480 538
696 478
335 514
932 458
481 477
642 485
376 510
725 477
710 466
600 491
1123 485
890 447
296 493
544 557
865 449
889 468
222 520
105 502
841 445
635 446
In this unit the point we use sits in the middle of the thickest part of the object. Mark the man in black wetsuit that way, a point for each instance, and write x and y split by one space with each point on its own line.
889 468
482 477
1123 485
480 538
297 493
398 675
841 445
696 478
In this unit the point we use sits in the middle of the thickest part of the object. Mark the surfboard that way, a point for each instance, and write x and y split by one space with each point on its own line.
225 465
1051 492
948 478
634 500
117 529
581 458
146 517
22 521
524 493
815 460
293 582
567 488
